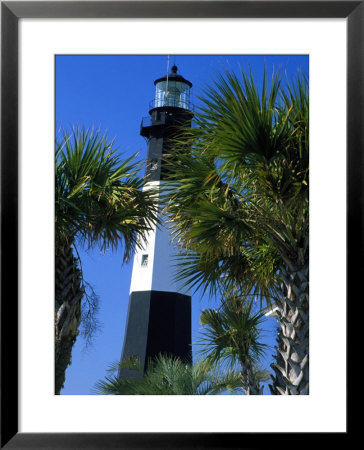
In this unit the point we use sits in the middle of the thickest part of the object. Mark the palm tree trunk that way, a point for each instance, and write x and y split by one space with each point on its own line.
251 385
68 296
292 360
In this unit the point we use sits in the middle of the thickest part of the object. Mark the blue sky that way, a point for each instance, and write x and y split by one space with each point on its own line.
113 93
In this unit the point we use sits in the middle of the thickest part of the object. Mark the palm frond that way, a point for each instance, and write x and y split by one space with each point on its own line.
99 196
232 333
238 200
170 376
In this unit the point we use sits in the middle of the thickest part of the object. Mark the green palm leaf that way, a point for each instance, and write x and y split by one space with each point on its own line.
240 196
99 196
169 376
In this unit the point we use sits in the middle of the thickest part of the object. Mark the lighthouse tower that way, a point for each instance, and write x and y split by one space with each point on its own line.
159 314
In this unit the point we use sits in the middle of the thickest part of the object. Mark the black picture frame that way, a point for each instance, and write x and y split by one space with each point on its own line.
11 12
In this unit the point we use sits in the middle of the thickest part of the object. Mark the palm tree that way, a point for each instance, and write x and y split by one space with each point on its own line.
99 201
170 376
238 205
232 333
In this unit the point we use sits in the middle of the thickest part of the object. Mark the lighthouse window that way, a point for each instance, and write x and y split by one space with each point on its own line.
154 164
144 260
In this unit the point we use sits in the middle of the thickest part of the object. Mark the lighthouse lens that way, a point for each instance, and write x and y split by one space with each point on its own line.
172 93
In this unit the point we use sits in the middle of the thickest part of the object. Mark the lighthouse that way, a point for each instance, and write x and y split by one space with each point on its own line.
159 312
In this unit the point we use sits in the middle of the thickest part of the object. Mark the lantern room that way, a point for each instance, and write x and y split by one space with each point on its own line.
172 90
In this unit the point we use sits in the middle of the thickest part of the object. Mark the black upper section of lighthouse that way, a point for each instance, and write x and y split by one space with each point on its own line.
170 109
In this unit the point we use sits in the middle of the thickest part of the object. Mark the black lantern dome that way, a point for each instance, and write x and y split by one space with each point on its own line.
172 90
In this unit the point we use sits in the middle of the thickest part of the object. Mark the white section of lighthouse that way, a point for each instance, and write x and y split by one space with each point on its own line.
154 264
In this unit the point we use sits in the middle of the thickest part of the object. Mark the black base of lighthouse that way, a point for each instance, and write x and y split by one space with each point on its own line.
158 323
